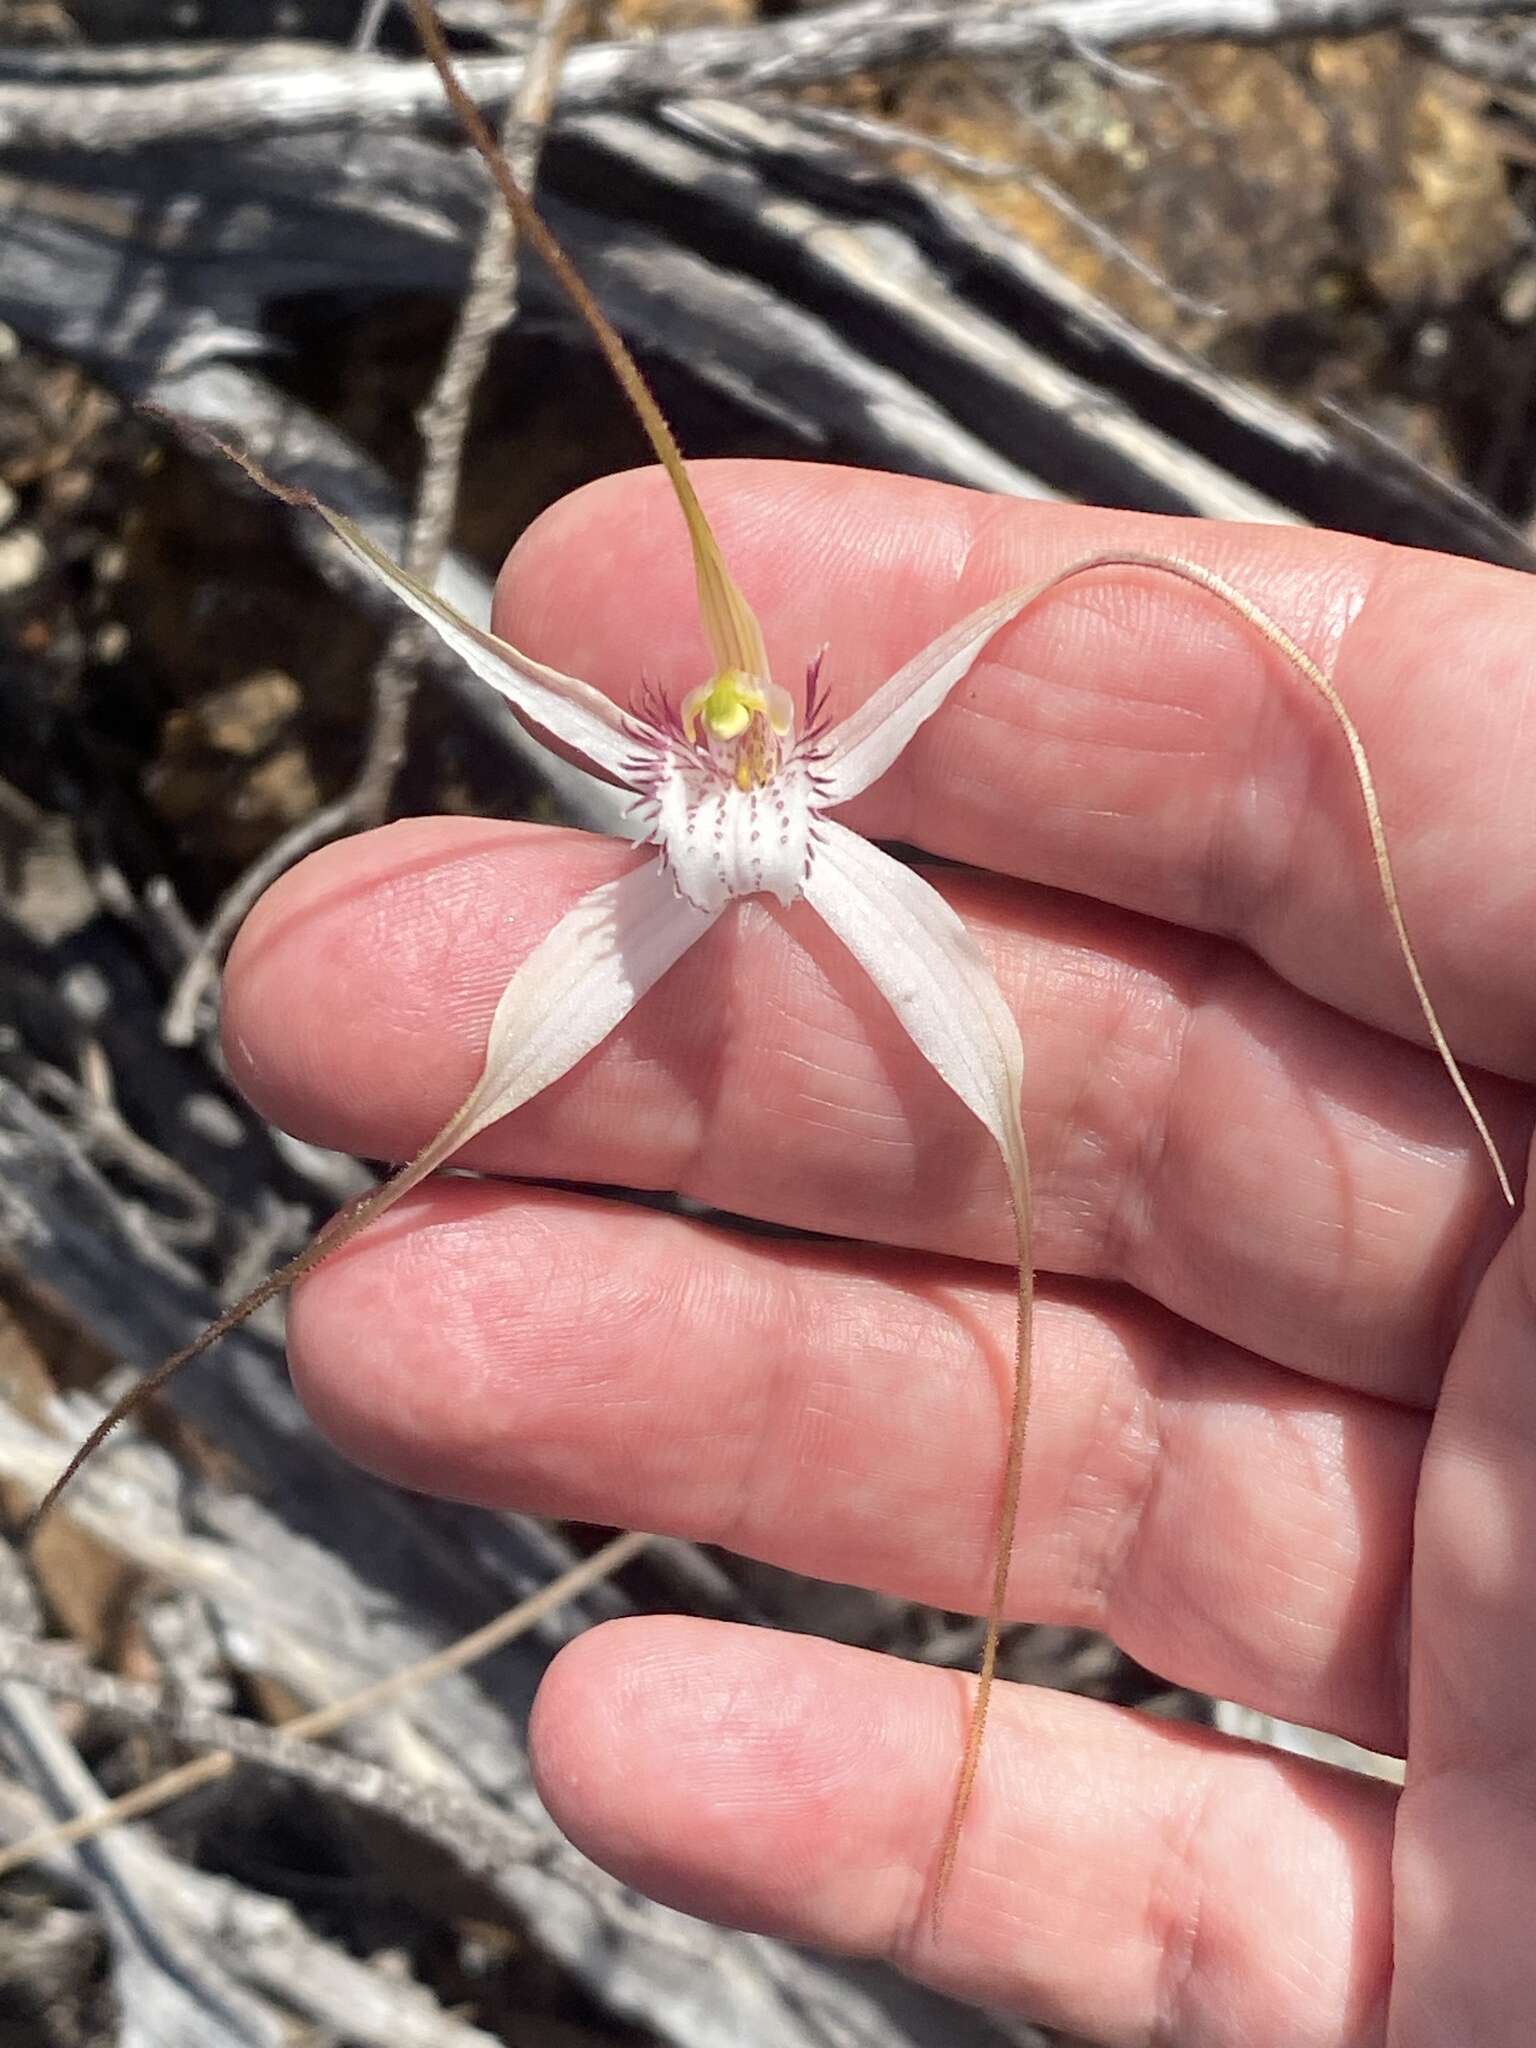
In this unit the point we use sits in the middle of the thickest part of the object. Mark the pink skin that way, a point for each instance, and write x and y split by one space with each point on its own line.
1287 1333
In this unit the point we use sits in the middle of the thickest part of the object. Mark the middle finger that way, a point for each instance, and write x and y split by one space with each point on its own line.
1291 1180
1240 1530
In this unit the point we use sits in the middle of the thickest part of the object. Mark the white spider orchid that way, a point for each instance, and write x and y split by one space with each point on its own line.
734 802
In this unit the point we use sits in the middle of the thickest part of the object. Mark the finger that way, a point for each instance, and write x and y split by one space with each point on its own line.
1296 1183
1127 1879
1467 1845
1126 738
1239 1530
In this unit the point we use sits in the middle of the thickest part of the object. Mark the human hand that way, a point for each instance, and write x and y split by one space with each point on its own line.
1284 1352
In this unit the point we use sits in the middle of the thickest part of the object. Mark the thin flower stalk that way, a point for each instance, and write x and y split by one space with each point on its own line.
734 795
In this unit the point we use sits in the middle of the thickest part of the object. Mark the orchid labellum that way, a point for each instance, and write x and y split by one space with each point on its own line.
735 796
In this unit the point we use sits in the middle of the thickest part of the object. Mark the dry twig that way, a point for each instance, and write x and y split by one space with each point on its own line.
804 49
279 1748
891 139
1501 59
174 1990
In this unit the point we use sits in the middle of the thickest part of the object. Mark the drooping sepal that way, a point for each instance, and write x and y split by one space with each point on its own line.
930 970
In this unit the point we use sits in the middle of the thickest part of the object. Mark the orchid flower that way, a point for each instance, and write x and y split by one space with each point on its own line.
733 797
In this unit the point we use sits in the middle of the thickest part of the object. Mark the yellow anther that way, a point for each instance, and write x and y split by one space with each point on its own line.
725 707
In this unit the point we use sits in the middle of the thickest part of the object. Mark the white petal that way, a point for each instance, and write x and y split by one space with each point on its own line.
563 706
577 984
581 980
858 752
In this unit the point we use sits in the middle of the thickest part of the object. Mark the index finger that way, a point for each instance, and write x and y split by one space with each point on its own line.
1126 738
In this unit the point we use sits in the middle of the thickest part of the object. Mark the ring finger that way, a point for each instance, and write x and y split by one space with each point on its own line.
1241 1530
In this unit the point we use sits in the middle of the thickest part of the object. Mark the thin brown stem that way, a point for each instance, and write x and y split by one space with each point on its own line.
443 421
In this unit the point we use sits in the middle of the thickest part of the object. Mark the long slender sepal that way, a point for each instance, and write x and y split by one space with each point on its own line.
570 992
930 970
1318 680
563 706
735 638
857 752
